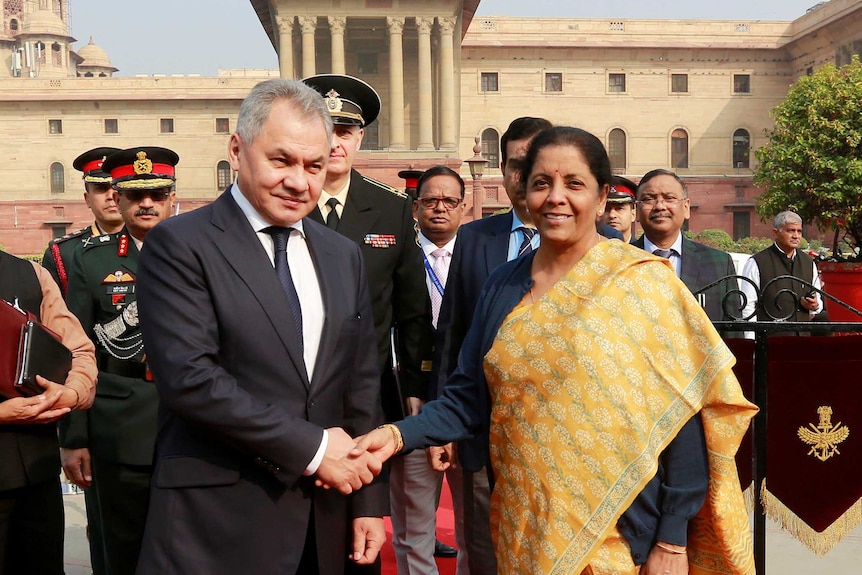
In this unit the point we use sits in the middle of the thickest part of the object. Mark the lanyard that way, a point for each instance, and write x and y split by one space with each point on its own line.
434 279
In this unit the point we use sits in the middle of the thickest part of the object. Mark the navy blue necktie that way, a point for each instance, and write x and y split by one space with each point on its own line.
332 219
279 239
527 243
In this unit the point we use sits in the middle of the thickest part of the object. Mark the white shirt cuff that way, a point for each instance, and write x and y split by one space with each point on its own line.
311 469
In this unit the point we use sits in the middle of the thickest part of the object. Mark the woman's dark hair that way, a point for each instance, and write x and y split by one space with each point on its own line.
588 145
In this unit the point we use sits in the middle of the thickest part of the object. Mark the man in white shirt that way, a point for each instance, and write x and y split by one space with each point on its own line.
413 483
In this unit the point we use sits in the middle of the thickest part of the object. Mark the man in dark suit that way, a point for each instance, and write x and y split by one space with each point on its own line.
258 330
109 449
379 219
663 206
31 505
481 246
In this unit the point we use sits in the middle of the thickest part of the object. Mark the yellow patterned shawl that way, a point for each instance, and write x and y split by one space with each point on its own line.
588 386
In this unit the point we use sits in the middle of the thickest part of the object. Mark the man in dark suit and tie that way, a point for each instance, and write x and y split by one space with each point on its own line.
663 206
258 329
481 246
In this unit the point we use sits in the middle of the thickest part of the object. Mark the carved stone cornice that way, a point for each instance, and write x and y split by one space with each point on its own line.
337 24
447 25
423 25
308 24
395 25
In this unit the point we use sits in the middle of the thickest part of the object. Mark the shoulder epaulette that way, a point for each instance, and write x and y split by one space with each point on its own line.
69 236
387 187
102 240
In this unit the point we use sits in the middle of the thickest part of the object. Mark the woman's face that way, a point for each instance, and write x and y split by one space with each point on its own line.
564 197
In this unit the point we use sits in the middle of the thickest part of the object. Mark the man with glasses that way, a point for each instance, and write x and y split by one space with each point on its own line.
117 435
414 485
663 206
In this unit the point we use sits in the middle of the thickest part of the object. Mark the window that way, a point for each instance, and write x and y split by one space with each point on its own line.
553 82
58 231
491 147
489 82
58 178
56 55
741 225
166 125
679 83
13 26
617 150
679 149
366 62
371 140
616 82
222 125
40 52
741 84
224 177
112 126
55 126
741 147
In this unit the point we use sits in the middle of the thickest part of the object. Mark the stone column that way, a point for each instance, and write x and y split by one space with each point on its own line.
308 25
447 84
395 26
336 31
426 126
285 46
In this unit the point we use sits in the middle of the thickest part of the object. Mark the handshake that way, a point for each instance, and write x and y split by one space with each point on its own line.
349 463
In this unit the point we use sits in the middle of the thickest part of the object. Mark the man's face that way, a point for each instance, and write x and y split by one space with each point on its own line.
143 209
282 171
516 151
620 217
662 208
100 200
439 208
346 141
788 237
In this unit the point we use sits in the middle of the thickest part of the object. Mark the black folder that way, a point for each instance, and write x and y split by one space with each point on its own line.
28 349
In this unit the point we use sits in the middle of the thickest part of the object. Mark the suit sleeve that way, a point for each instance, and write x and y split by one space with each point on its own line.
181 330
412 311
74 428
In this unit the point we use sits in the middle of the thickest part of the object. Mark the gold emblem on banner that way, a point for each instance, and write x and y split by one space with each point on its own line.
824 437
142 165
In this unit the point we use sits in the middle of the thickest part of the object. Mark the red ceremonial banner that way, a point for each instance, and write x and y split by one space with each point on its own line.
743 350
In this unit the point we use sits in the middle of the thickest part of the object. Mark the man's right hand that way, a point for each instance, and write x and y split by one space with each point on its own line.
76 466
344 467
40 408
443 457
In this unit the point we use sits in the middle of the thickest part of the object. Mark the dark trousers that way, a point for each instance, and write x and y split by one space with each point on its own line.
477 523
94 532
32 526
123 492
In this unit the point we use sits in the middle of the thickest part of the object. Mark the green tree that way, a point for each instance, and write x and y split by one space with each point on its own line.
812 163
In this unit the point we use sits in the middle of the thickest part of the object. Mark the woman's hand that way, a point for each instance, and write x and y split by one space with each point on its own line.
666 559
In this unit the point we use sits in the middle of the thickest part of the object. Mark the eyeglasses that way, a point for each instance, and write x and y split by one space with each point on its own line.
137 196
670 202
448 203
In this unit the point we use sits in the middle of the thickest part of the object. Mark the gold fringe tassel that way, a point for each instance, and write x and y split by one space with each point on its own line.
748 498
820 543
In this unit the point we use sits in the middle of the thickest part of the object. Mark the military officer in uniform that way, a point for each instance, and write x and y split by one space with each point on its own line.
118 433
99 197
379 218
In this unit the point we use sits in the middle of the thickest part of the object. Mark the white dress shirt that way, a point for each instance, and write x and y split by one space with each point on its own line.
676 255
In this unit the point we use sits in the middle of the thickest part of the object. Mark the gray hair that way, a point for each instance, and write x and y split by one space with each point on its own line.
786 218
255 109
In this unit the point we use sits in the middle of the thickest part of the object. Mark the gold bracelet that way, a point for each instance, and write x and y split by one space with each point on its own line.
669 549
396 436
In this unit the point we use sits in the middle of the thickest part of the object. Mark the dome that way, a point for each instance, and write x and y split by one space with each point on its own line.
44 22
93 56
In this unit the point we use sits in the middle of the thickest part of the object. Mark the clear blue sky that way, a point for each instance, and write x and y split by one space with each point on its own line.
202 36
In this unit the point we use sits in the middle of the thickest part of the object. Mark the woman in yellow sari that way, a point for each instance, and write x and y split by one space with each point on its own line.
611 407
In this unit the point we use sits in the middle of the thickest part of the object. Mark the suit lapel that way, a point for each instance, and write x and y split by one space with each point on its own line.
497 247
240 246
329 279
689 270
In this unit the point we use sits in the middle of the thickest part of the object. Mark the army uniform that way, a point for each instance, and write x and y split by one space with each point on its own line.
58 256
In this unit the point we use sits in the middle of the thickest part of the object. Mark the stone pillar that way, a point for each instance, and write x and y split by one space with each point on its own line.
395 26
426 126
285 46
308 25
336 31
447 84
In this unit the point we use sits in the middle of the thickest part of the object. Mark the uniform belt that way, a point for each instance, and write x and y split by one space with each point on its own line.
122 367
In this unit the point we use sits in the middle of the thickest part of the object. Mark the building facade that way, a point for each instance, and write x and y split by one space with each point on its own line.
689 95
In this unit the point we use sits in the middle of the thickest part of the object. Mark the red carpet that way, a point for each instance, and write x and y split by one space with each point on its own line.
445 533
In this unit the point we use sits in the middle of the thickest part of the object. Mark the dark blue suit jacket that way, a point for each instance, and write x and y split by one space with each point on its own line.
239 418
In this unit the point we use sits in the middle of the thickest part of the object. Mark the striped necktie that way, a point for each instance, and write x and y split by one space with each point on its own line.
527 243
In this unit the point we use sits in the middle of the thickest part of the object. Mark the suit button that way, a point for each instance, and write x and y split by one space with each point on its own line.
312 403
637 555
